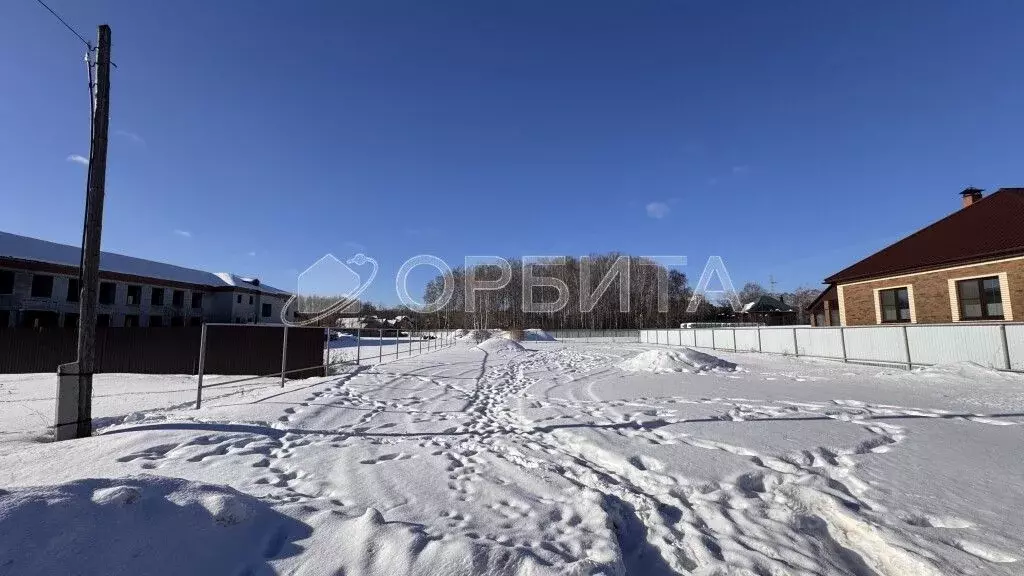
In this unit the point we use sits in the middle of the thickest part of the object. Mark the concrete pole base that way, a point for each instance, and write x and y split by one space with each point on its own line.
73 389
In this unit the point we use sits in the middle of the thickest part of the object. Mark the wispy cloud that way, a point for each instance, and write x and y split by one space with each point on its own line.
183 233
658 210
132 136
741 169
354 246
78 159
252 253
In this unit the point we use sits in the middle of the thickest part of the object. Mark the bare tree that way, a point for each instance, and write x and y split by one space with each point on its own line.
751 291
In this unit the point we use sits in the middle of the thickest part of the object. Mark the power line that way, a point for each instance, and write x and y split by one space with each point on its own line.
66 25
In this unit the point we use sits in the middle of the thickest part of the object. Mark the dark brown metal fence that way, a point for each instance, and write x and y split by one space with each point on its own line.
232 350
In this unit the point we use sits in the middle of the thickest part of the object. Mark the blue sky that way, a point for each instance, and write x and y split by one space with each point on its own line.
791 138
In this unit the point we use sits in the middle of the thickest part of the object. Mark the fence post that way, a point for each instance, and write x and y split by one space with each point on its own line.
284 354
758 339
1006 347
796 349
842 341
327 354
712 338
733 339
380 345
906 345
202 366
359 344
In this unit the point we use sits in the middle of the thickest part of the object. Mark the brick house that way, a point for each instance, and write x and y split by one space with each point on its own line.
967 267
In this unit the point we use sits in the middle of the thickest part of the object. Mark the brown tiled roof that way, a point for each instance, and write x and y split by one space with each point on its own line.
828 293
991 228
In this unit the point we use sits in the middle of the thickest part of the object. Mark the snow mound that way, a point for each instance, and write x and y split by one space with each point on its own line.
683 360
500 346
477 335
537 335
141 525
965 370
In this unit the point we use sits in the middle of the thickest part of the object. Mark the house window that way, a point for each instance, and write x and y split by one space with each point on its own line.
895 305
6 282
42 286
131 320
250 300
177 321
239 299
107 291
156 321
178 298
71 320
103 320
134 295
197 299
195 321
5 318
74 290
266 310
980 299
157 299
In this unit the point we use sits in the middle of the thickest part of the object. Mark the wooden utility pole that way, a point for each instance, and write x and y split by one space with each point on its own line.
74 391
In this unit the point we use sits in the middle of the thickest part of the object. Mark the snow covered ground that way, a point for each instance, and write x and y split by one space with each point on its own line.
561 458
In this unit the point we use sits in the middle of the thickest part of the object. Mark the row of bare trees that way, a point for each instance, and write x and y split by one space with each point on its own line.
598 292
582 305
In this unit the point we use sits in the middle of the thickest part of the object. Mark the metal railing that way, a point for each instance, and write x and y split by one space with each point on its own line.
407 343
402 343
584 335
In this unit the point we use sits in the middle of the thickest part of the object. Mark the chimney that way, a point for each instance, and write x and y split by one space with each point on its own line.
971 195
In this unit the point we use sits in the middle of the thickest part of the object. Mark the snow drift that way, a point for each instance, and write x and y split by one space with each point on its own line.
141 525
501 346
537 335
476 335
683 360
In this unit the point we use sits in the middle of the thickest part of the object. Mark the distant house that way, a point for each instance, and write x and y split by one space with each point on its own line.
39 288
967 267
769 311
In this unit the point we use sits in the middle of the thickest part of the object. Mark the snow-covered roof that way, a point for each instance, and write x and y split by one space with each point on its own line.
34 249
767 303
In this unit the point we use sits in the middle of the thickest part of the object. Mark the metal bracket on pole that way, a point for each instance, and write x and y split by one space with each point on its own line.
284 354
202 367
906 346
1006 347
